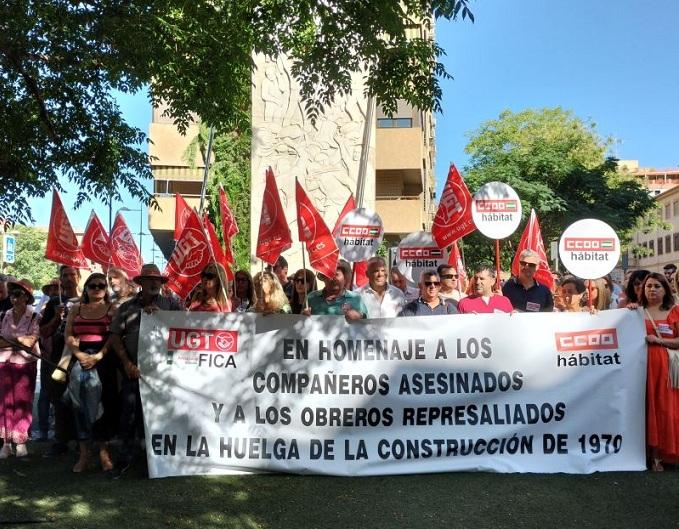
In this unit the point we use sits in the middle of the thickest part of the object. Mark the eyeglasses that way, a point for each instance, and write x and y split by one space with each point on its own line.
208 275
16 293
432 283
449 276
530 265
299 280
97 286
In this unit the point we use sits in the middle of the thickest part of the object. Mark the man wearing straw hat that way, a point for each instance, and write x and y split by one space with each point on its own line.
125 342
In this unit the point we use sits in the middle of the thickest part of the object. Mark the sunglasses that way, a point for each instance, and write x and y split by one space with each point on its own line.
208 275
16 293
531 265
299 280
97 286
432 283
449 276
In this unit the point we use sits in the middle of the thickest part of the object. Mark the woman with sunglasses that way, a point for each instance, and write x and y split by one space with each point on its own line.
301 290
86 335
244 295
271 298
17 368
210 294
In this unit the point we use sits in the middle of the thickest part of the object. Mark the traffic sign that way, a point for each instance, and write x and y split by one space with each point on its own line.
8 248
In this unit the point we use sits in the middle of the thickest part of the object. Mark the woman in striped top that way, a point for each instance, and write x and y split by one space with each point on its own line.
87 331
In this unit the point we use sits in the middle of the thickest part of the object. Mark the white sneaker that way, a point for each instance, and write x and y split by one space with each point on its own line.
21 450
6 450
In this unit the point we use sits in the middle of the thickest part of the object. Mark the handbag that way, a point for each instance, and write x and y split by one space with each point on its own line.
672 357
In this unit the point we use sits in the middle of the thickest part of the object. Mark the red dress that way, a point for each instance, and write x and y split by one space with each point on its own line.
662 401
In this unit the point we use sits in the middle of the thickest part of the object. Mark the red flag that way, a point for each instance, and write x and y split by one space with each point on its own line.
455 260
229 226
95 244
274 235
124 251
453 218
349 206
532 239
216 246
181 213
320 243
62 244
191 254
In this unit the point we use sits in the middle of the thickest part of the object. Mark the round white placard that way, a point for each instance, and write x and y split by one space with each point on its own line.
496 210
589 248
419 252
359 235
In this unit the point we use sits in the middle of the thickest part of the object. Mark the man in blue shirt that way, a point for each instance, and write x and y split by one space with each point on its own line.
525 293
334 298
430 302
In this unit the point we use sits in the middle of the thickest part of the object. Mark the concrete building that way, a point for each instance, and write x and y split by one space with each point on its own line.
324 156
661 244
656 181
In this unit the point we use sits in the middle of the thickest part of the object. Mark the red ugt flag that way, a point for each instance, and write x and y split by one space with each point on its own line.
274 235
95 244
532 239
124 251
229 226
62 244
191 254
453 218
320 243
181 213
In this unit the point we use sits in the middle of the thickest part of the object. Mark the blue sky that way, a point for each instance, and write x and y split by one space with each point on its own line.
613 61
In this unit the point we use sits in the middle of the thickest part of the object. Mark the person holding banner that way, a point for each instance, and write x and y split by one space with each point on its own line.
483 300
303 285
430 303
125 342
271 298
662 395
334 299
18 369
380 298
525 293
210 295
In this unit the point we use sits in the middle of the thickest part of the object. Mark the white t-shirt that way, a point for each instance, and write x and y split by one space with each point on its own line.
388 307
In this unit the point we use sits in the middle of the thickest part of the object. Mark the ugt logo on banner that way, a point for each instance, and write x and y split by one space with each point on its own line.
202 347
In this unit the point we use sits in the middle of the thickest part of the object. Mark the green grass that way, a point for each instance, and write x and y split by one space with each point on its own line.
38 492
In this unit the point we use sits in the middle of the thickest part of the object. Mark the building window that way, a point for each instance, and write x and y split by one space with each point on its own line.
668 244
676 242
660 246
675 210
651 247
667 211
395 123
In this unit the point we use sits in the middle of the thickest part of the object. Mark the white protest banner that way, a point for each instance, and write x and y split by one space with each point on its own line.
359 235
589 248
418 252
496 210
547 392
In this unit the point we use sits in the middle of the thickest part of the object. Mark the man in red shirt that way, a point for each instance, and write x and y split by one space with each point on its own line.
483 300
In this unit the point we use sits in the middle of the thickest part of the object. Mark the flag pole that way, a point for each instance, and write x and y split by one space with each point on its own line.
306 294
206 172
497 264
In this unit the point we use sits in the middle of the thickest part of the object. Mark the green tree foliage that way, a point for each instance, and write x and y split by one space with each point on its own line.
230 168
60 60
30 260
557 164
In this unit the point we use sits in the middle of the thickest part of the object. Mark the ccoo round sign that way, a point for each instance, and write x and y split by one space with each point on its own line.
359 235
589 248
496 210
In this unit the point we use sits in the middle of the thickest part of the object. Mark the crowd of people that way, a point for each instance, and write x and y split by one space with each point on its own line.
93 336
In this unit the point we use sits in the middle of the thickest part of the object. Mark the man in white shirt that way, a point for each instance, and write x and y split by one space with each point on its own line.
380 298
450 283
